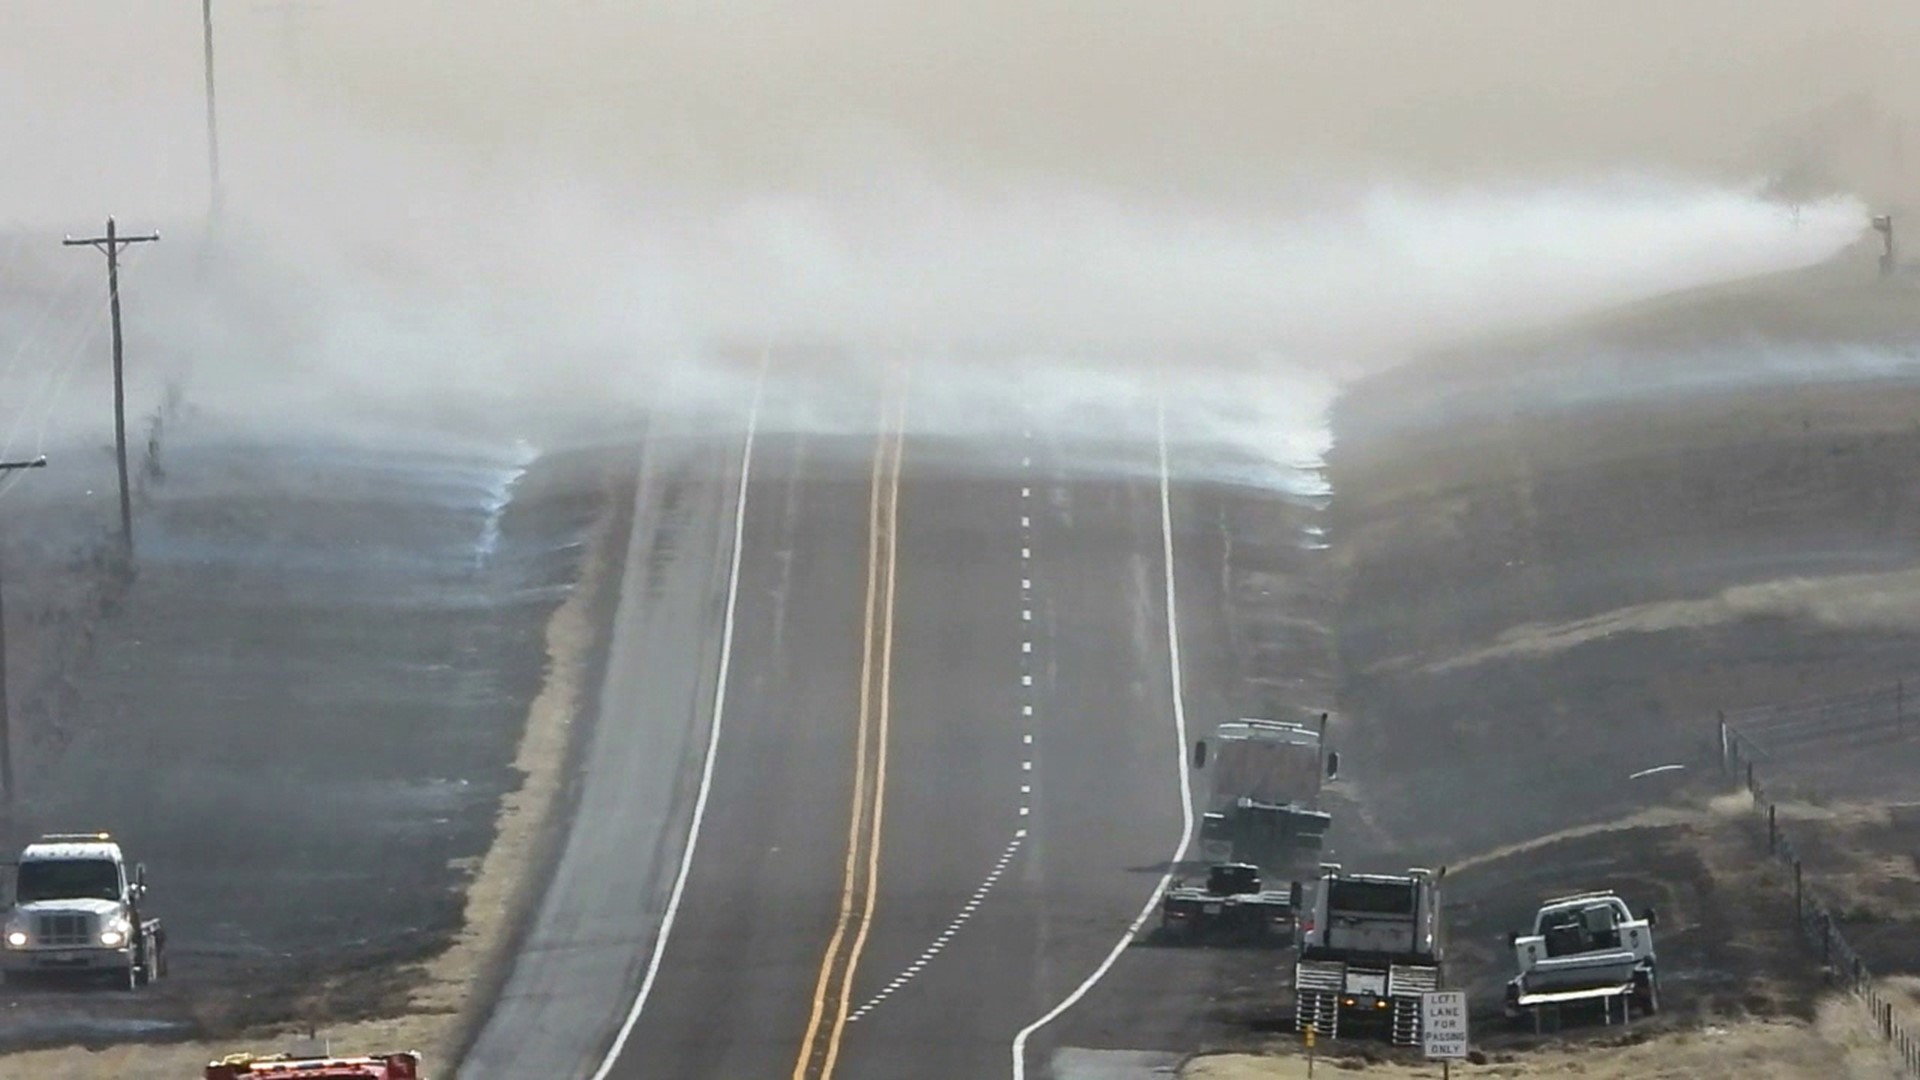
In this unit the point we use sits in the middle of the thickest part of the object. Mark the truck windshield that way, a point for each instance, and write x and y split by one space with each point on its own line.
1370 898
96 879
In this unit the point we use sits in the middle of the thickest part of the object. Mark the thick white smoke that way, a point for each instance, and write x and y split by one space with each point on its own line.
560 208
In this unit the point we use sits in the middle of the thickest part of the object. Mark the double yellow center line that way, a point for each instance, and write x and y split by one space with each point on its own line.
833 992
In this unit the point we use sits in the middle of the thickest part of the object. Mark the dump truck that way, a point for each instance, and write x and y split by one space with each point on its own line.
77 908
1583 950
1369 947
1231 905
1263 791
392 1065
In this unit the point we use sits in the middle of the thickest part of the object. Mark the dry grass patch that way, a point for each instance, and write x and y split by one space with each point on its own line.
1837 1045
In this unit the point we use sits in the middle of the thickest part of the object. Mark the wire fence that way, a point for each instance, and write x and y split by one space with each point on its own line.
1846 716
1861 717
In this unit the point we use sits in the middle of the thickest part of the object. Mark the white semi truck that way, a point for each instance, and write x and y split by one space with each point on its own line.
1586 949
76 908
1263 795
1369 947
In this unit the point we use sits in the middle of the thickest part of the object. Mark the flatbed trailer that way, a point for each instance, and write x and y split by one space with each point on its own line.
1544 1008
1232 905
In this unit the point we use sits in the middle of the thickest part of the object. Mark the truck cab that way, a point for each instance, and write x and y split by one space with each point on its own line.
77 908
1262 794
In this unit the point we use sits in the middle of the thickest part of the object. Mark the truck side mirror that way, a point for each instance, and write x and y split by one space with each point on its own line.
1333 764
1200 754
140 875
1513 938
1649 916
1295 895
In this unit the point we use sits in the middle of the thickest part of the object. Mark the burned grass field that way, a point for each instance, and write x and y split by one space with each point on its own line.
1557 561
303 720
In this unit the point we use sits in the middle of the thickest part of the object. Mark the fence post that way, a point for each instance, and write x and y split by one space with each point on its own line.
1773 832
1749 776
1725 757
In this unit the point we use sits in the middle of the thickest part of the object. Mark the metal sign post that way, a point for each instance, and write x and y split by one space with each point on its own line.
1443 1027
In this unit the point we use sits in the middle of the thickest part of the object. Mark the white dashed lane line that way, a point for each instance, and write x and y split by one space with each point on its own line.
947 934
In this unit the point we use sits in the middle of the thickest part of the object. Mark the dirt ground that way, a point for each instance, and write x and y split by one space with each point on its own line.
1837 1045
1558 556
394 634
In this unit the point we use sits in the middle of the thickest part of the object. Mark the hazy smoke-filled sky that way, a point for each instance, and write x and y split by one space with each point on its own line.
1229 98
482 180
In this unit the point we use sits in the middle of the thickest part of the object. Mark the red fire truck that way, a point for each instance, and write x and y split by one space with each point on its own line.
398 1065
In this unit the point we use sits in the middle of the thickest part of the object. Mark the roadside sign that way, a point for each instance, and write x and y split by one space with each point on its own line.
1443 1024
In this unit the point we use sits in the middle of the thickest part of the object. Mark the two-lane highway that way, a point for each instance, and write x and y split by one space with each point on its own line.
947 778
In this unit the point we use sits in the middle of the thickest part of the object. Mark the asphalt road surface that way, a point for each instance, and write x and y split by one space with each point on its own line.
877 790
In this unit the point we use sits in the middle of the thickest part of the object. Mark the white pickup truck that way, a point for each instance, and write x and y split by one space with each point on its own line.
1586 948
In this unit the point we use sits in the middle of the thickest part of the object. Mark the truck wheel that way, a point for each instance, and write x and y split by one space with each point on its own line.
1646 994
159 969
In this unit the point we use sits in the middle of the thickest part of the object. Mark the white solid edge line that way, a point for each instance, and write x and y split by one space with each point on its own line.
1180 757
713 744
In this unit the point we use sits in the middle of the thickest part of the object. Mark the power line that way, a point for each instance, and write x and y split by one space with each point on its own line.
50 386
65 354
63 293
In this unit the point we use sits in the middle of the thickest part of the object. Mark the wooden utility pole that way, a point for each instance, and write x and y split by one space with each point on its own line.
213 127
6 720
111 245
